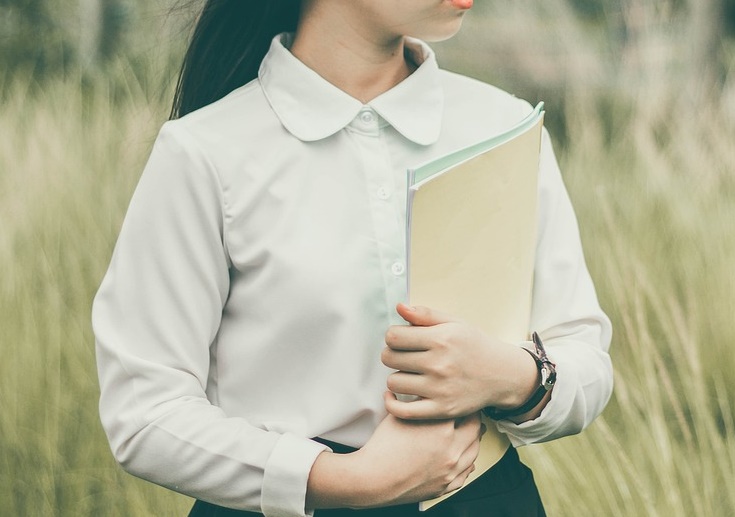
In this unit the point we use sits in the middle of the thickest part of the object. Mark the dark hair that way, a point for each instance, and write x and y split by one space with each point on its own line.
230 39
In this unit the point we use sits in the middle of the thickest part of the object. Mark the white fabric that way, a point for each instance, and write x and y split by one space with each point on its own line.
259 266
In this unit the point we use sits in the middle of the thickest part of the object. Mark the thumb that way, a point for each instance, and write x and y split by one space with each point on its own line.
422 316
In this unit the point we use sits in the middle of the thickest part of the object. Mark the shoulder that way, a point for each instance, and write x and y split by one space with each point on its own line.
228 130
222 116
481 107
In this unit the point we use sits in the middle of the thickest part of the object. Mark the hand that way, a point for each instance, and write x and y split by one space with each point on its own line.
452 367
402 462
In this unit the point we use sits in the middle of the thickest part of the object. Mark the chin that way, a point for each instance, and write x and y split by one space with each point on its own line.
440 34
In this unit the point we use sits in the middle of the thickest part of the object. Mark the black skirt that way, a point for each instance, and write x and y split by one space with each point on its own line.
506 490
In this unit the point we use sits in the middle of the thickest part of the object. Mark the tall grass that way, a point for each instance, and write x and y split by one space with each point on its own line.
69 159
649 167
660 242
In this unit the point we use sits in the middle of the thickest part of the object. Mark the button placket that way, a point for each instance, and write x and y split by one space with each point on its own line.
383 198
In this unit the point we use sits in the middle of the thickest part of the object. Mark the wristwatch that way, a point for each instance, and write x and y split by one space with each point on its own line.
546 369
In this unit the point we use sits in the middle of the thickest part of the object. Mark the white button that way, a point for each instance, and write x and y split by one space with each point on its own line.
367 117
383 193
397 268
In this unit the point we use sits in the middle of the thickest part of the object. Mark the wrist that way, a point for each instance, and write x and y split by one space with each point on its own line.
528 381
546 378
522 381
342 481
330 482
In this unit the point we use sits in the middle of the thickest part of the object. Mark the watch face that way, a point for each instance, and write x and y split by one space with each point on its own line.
548 377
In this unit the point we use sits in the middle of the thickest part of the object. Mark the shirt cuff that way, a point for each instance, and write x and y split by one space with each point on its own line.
286 476
558 418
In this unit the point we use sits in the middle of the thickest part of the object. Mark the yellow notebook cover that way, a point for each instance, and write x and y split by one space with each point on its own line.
471 238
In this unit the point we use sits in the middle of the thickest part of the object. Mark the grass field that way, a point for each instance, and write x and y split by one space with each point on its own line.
651 173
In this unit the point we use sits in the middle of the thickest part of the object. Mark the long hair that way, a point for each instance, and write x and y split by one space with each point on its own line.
230 39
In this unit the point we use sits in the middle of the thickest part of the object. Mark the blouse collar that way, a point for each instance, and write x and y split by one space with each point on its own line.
311 108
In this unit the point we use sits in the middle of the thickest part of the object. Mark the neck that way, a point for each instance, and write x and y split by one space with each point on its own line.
360 62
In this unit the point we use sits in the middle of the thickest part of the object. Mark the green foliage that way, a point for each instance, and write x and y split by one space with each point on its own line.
32 37
68 164
658 234
45 38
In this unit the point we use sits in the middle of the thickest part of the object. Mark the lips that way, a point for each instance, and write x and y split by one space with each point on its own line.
462 4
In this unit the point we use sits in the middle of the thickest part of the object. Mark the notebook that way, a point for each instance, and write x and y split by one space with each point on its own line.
471 237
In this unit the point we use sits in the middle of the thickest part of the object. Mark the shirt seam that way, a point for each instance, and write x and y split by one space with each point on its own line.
212 171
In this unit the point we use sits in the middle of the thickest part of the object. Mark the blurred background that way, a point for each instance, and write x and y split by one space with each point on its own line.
641 106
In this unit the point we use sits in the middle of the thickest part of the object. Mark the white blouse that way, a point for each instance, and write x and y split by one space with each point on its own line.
259 266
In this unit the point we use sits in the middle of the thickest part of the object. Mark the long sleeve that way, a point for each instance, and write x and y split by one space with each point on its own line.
566 313
155 318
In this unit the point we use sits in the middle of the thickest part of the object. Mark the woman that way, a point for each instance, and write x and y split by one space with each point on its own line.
242 326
